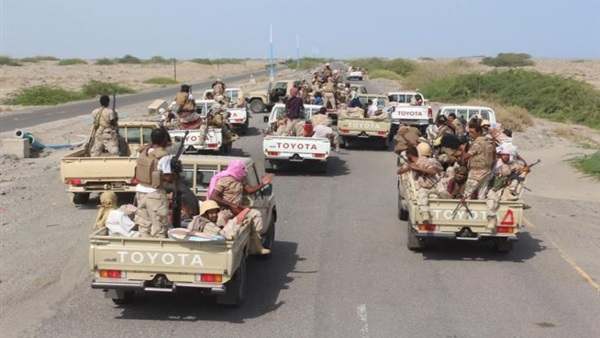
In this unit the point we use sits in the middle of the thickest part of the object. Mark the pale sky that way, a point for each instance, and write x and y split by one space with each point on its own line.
92 29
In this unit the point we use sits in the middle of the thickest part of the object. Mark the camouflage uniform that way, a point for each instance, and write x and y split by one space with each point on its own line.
459 130
328 94
499 192
426 183
480 163
106 135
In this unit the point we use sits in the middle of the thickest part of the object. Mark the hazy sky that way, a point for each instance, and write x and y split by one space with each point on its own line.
240 28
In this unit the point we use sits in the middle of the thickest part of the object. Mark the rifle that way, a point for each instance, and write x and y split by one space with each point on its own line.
428 179
502 182
463 202
177 169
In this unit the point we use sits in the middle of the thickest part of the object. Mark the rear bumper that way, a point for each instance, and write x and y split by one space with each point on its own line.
100 188
280 159
474 237
126 285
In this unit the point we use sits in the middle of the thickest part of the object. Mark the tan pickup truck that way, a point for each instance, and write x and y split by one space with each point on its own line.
122 266
84 174
452 220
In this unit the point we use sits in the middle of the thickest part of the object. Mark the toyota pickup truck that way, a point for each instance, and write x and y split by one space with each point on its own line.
84 174
366 129
238 117
279 150
260 99
123 266
452 220
403 112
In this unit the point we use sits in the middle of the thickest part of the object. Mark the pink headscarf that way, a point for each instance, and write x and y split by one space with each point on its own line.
235 169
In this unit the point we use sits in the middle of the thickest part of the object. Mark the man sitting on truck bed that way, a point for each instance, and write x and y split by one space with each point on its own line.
425 170
227 188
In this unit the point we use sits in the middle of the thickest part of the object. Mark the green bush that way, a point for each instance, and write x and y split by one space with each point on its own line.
38 59
95 88
589 164
402 67
548 96
385 74
202 61
44 96
104 62
159 60
426 58
508 60
226 61
8 61
71 62
306 63
129 59
161 81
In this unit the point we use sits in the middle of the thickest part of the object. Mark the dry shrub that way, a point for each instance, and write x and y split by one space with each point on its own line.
512 117
427 72
563 131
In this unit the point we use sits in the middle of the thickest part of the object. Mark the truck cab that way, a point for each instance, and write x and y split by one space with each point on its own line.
259 100
467 112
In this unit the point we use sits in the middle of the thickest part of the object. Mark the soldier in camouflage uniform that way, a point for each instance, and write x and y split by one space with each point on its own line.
106 126
480 158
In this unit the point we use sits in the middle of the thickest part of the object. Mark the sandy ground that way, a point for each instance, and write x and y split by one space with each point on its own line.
34 213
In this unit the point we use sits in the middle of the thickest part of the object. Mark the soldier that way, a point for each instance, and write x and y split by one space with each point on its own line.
480 158
294 110
454 187
218 87
325 131
443 127
327 72
105 137
206 222
184 100
425 170
459 129
227 188
153 172
320 118
328 90
406 136
216 118
241 100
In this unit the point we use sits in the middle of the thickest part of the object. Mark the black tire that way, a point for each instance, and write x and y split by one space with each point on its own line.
321 168
402 214
81 198
268 241
412 242
127 298
385 144
393 131
235 291
244 128
256 106
503 245
345 143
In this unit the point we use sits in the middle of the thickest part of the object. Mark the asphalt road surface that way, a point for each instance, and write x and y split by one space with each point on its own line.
341 268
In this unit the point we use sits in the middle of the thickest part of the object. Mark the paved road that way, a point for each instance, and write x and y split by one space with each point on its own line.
35 116
341 269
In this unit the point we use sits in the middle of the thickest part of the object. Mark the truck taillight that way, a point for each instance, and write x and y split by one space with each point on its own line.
211 145
427 227
112 274
135 181
382 133
239 120
75 181
319 155
505 230
210 278
272 153
430 112
344 131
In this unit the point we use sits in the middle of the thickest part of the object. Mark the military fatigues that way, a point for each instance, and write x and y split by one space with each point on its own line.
480 163
426 183
218 112
204 225
232 191
328 95
106 135
459 130
498 191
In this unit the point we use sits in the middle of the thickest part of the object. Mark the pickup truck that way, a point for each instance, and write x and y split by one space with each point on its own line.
238 117
467 112
403 112
355 75
261 99
360 128
84 174
122 266
280 150
451 220
231 93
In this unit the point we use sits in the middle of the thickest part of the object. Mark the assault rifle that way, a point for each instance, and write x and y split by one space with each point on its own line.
502 182
177 169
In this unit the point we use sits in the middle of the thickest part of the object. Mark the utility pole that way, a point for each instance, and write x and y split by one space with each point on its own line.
174 69
297 52
272 68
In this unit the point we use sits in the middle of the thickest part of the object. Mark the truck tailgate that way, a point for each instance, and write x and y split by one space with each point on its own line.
97 169
296 148
364 127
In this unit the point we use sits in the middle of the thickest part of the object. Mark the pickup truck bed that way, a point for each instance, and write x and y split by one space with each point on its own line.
373 130
291 149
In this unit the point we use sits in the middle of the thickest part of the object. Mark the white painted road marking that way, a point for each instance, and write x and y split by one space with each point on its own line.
361 311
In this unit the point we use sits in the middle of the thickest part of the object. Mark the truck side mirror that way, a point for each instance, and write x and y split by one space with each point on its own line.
267 190
266 119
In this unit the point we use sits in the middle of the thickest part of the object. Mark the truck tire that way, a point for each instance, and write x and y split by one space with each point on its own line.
412 242
81 198
244 128
385 144
402 214
226 148
124 297
235 289
345 143
321 168
268 241
503 245
257 106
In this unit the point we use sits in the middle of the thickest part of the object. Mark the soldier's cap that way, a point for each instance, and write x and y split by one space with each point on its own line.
208 205
485 123
461 170
327 64
335 71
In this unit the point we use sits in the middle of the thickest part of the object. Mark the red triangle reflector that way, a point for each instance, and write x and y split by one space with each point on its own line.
508 218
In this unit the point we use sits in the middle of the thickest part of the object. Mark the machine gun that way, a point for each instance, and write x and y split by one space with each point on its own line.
177 169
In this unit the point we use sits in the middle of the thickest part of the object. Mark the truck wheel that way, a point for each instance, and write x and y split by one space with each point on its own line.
503 245
345 143
321 168
257 106
385 144
124 297
235 289
269 239
81 198
402 214
226 148
244 128
412 242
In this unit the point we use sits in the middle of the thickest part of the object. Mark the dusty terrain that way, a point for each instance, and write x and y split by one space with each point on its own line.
31 215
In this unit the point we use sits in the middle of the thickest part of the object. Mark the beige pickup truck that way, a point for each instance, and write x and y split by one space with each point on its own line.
366 129
122 266
84 174
451 220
